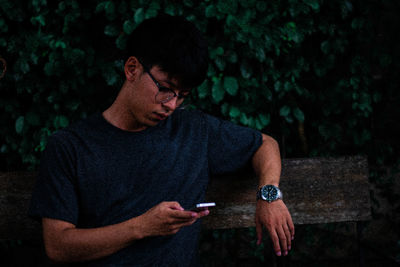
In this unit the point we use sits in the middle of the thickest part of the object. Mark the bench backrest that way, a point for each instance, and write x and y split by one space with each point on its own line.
316 190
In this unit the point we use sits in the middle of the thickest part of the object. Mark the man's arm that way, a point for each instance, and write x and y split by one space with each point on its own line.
66 243
275 215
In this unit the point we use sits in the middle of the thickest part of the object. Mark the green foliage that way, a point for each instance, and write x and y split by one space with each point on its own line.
308 72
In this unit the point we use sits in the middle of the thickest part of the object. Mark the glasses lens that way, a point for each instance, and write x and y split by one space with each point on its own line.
164 96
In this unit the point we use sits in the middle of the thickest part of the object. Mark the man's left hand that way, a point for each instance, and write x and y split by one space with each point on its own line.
276 218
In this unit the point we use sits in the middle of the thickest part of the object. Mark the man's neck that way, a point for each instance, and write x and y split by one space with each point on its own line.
122 119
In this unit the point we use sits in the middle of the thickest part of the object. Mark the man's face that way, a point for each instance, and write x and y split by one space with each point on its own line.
153 96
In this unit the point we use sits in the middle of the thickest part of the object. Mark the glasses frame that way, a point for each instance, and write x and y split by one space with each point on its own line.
162 88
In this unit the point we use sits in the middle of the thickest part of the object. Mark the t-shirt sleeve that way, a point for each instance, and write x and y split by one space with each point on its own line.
55 195
230 146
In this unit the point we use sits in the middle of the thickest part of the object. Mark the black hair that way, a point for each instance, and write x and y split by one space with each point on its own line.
175 45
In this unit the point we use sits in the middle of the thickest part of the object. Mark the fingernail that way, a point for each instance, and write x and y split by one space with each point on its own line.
292 237
286 253
278 253
194 214
290 247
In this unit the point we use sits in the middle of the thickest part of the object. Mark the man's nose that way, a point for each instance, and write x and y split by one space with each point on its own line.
172 104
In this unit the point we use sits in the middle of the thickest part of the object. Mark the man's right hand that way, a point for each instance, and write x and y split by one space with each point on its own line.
66 243
167 218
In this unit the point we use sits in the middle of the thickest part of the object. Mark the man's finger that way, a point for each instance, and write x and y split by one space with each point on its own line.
288 237
183 214
288 233
174 205
203 213
283 240
291 228
275 243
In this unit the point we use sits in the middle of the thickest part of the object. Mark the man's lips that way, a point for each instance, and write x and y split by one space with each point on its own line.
161 116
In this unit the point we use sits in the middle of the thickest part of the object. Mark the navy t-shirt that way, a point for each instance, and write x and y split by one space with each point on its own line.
93 174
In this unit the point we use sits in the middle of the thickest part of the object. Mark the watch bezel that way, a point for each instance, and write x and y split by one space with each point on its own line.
263 193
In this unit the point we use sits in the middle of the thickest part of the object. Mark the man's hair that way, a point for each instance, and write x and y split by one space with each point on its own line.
175 45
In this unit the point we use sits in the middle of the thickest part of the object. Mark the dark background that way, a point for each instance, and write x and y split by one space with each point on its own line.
320 76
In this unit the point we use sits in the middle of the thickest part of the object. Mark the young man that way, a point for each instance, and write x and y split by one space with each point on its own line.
115 189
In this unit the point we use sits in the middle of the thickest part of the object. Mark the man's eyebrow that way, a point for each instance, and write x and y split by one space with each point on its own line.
175 86
170 83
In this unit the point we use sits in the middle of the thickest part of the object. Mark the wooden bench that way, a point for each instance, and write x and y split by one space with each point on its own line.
316 190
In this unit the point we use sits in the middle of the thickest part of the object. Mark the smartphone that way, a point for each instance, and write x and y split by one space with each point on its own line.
202 206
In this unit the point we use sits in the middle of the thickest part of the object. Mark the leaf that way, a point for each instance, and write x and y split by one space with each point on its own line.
284 111
111 30
246 70
312 3
210 11
60 44
298 114
188 3
217 91
19 124
151 13
261 6
260 54
100 7
264 119
38 20
227 6
23 66
259 125
231 85
3 42
220 63
325 47
111 76
128 27
291 25
225 109
232 57
287 86
219 51
139 15
120 42
243 118
73 105
203 90
234 112
277 86
110 10
60 122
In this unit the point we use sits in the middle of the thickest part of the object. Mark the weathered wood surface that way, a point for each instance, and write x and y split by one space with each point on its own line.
15 194
316 190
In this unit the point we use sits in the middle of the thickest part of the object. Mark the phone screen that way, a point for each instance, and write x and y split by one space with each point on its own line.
203 206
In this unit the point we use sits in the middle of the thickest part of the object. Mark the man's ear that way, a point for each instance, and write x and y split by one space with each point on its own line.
132 68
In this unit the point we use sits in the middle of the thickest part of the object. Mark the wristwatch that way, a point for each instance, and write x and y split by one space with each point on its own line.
269 193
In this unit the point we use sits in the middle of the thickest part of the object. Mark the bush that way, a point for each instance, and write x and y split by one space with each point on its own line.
314 74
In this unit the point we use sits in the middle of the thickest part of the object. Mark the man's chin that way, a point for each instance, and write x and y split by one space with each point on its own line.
153 122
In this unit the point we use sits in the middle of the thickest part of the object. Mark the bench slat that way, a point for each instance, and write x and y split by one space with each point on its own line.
316 190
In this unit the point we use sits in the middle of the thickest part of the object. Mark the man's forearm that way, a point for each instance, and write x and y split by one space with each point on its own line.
267 162
274 216
65 243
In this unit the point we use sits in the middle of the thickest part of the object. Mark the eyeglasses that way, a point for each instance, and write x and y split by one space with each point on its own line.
164 94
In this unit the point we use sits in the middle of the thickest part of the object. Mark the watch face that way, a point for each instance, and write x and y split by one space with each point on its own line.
269 193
